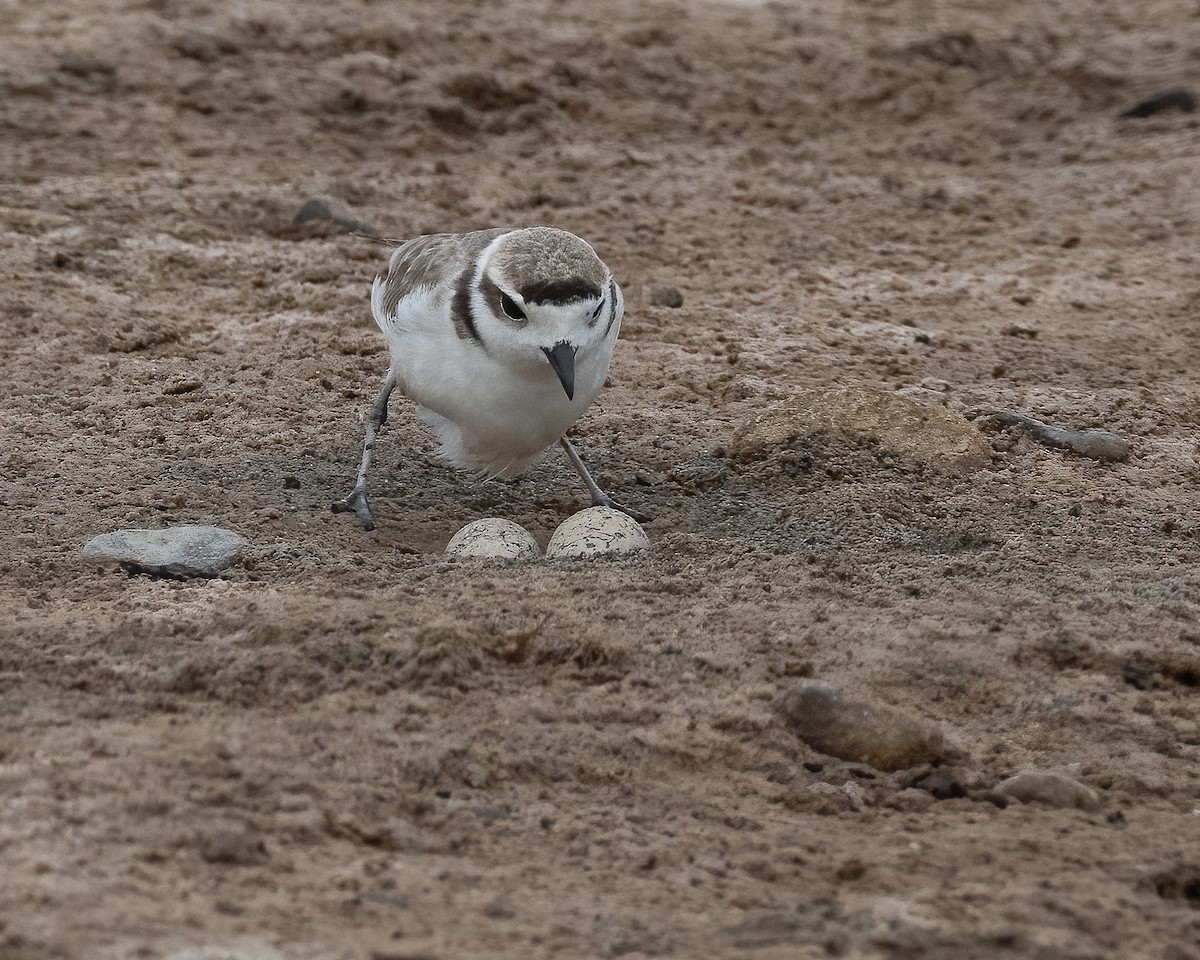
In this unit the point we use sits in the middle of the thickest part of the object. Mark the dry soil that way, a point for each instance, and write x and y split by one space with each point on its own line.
348 746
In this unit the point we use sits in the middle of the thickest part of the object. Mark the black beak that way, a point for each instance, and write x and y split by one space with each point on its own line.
562 359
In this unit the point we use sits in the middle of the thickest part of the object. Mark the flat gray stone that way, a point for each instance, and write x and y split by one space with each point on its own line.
188 550
1101 445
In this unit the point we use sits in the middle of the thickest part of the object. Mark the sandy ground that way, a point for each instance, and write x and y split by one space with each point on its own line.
348 746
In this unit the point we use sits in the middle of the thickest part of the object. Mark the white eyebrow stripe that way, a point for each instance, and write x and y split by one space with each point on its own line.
612 305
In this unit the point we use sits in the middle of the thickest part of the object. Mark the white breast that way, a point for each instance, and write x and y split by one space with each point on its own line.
487 417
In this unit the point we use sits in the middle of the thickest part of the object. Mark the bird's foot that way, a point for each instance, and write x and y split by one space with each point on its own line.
604 500
356 503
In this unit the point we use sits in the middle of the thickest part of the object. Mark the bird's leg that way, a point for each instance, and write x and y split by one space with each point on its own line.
357 500
599 497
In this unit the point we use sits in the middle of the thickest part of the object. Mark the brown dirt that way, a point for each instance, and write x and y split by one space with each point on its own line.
348 746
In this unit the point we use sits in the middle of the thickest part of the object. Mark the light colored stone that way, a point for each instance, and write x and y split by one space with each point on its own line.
187 550
1050 788
494 538
919 431
597 531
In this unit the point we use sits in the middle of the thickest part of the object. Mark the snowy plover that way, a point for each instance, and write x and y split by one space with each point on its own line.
503 338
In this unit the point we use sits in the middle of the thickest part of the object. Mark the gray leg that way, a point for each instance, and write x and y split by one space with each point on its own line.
599 497
357 500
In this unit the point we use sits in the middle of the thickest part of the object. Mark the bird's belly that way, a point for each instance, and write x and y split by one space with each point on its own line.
489 419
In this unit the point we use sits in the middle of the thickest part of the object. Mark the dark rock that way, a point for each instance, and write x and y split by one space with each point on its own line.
91 73
947 783
943 783
348 101
1176 99
312 210
666 297
1020 332
452 118
203 46
485 92
323 218
1139 673
1179 882
230 842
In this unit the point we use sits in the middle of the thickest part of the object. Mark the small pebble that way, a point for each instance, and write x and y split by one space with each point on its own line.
1177 99
1179 881
187 550
597 531
312 210
1052 789
95 74
180 387
231 843
203 46
495 538
666 297
943 783
323 217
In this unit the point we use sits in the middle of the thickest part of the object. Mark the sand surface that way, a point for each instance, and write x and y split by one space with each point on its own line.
887 222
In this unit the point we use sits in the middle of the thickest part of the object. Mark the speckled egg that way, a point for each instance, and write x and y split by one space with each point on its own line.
595 532
495 538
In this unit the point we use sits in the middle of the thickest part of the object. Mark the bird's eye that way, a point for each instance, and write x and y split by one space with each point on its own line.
511 310
596 312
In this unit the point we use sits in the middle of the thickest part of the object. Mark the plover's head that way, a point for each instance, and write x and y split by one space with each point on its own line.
542 296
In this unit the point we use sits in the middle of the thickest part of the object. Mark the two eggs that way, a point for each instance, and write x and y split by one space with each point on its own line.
595 532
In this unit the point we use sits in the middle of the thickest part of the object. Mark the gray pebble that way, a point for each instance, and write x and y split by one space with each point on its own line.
188 550
1179 98
230 842
1052 789
85 66
330 216
203 46
313 210
666 297
1094 444
88 72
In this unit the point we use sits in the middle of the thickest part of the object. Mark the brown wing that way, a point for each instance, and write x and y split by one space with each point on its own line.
430 261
